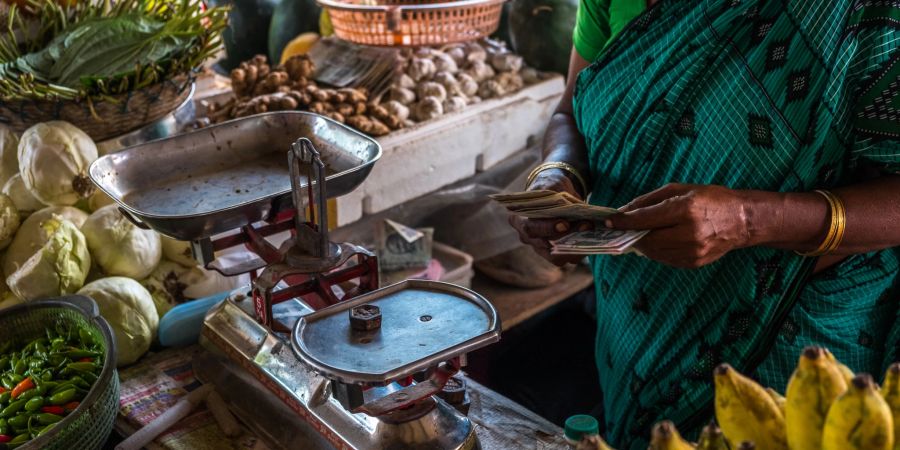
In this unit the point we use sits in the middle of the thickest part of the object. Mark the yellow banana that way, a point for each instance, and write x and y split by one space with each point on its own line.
815 384
665 437
711 438
779 399
593 442
859 419
891 393
845 371
747 445
746 412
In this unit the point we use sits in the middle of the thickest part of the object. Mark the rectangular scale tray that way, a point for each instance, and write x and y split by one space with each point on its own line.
423 323
198 184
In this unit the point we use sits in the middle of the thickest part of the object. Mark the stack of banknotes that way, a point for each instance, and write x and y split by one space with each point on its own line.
562 205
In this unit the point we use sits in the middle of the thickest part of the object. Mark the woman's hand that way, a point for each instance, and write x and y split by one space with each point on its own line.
691 225
539 232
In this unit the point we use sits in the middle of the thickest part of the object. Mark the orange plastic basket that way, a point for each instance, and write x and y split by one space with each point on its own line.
412 22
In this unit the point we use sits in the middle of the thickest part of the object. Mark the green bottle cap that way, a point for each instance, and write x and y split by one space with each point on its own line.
581 425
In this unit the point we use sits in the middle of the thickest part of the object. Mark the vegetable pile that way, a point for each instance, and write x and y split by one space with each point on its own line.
61 236
430 83
93 49
437 81
260 88
44 381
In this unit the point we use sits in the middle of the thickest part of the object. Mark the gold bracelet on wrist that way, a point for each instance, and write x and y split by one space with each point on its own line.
836 227
562 166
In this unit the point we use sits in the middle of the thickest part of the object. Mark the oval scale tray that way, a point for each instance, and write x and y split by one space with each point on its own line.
423 324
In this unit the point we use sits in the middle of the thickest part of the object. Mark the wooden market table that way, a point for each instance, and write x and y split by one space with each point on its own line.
160 379
516 305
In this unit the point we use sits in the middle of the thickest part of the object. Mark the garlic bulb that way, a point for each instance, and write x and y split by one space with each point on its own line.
432 89
453 104
428 108
421 69
397 109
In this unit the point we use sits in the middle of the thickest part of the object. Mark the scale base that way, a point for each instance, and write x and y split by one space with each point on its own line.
248 364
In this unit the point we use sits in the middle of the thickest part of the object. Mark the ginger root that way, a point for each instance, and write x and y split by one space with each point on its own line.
245 77
300 67
368 125
271 83
263 103
353 95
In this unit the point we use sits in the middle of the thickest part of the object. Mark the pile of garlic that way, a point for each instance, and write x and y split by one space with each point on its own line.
432 82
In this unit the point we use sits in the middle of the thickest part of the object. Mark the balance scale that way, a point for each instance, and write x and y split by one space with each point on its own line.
351 365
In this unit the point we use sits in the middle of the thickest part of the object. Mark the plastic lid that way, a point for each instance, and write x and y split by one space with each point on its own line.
581 425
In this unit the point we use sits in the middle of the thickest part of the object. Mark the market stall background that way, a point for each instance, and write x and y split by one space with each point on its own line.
63 236
457 121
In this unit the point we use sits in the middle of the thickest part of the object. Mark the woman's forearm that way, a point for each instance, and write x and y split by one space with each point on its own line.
800 221
562 142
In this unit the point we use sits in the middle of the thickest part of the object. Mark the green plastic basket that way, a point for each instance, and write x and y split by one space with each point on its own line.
89 425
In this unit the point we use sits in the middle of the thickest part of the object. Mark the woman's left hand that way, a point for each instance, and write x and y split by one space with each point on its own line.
690 225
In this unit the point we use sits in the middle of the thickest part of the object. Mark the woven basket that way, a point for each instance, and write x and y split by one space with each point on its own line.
412 22
126 112
88 427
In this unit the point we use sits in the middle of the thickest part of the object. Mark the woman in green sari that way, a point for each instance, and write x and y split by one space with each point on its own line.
713 124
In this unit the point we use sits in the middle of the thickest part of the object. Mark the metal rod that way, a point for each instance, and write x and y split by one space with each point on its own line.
313 241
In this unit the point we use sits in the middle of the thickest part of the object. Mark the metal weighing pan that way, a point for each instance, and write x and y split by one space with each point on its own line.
217 179
423 323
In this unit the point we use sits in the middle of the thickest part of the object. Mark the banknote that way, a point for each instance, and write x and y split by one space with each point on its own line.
562 205
551 205
409 234
573 212
597 242
600 241
395 252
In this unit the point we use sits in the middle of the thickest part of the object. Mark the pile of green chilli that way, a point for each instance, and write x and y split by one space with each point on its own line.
43 381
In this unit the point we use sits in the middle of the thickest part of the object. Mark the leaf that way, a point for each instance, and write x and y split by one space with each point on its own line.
106 47
96 48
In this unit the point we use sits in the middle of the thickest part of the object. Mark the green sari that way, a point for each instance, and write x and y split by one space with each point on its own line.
770 95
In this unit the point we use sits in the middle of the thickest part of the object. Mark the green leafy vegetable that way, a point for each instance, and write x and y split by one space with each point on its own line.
97 49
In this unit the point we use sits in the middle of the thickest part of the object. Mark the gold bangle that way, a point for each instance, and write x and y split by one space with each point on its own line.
841 226
558 165
836 227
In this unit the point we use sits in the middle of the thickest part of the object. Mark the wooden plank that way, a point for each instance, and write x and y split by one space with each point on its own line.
503 424
515 305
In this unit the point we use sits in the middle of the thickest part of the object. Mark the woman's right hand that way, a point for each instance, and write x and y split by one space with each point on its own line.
539 232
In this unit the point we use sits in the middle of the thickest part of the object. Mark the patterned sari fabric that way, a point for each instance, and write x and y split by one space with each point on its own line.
770 95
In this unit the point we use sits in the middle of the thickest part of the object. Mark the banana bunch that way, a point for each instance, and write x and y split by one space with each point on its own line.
826 407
